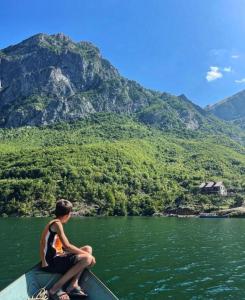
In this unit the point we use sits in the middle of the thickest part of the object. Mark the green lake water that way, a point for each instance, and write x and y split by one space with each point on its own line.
143 258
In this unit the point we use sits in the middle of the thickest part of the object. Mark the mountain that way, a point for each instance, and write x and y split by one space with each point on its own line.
230 109
72 127
49 78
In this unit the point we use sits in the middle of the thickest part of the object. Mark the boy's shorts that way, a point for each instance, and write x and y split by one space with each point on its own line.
61 264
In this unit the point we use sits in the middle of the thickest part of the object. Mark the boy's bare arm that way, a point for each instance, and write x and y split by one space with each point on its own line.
65 242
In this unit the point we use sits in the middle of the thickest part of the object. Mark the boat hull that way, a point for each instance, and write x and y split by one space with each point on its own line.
30 283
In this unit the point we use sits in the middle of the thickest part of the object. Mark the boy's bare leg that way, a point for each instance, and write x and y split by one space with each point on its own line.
85 260
87 249
74 281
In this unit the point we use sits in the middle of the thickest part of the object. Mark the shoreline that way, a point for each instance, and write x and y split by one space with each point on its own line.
237 212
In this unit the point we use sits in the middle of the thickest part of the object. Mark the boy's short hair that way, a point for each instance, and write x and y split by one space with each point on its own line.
63 207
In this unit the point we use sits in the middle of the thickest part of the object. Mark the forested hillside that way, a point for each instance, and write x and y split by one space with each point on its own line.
110 164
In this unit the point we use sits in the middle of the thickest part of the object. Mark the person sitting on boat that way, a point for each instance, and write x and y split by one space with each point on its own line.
58 255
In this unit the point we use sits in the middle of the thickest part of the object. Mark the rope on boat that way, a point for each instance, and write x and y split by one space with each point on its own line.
41 295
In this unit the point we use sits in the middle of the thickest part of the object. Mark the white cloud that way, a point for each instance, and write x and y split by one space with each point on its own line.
240 80
227 69
235 56
213 74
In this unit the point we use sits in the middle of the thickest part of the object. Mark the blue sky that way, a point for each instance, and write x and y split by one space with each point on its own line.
195 47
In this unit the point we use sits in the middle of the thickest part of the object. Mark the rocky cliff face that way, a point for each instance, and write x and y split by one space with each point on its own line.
50 78
43 80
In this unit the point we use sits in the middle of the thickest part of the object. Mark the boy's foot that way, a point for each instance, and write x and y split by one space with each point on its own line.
76 292
59 295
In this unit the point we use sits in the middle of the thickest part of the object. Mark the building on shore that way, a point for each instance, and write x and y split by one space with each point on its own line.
212 187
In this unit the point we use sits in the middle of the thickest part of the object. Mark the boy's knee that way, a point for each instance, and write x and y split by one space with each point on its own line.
88 249
89 260
84 259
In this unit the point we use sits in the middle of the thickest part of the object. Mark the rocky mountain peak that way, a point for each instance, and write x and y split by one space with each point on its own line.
231 108
56 43
183 97
50 78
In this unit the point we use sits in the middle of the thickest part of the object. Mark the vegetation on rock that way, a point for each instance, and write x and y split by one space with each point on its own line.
112 165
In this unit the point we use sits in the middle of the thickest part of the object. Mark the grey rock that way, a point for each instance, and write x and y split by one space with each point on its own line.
49 78
230 109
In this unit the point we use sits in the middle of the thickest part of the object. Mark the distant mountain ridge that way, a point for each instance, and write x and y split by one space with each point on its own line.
230 109
49 78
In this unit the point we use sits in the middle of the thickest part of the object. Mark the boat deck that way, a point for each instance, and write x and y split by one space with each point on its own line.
30 283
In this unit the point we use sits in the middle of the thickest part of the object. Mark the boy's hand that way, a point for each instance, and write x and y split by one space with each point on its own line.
93 261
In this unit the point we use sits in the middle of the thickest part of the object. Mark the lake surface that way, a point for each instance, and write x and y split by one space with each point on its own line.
143 258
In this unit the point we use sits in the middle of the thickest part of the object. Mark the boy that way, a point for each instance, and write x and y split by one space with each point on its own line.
70 262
